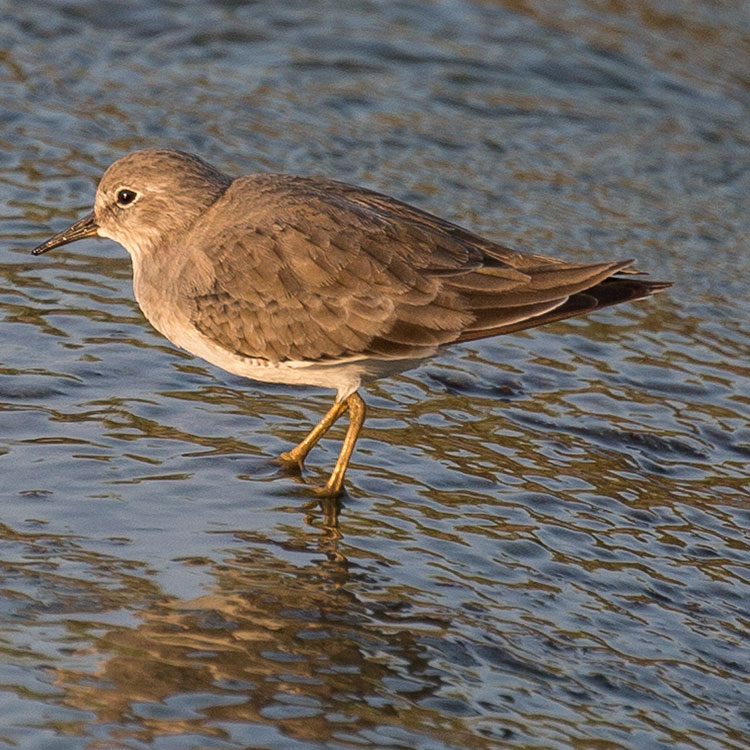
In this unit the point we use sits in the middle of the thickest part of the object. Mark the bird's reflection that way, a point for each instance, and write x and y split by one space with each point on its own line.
324 514
309 649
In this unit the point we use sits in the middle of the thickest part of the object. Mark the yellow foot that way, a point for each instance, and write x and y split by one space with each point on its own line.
331 489
289 461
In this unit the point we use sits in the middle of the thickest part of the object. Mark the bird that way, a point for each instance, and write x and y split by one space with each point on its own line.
309 281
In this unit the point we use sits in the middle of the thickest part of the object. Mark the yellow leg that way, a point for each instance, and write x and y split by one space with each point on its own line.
298 454
357 411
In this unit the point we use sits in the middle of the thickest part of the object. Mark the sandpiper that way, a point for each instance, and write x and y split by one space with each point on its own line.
314 282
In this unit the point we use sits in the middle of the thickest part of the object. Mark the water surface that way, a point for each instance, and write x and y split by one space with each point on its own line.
544 543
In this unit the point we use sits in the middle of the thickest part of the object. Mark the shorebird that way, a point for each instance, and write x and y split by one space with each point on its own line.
314 282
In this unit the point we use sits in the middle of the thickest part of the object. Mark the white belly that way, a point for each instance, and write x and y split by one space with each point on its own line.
343 377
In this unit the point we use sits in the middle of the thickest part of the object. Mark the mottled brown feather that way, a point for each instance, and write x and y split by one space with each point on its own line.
317 270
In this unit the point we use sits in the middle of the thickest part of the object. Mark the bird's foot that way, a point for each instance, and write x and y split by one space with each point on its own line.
292 462
334 487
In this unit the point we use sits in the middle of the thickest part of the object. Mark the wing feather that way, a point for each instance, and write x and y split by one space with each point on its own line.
313 270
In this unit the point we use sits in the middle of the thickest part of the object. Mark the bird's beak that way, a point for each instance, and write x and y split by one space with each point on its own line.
85 227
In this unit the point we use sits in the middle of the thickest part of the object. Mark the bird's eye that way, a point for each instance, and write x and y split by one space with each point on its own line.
125 197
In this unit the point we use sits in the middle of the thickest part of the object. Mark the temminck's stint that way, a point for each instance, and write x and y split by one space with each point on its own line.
313 282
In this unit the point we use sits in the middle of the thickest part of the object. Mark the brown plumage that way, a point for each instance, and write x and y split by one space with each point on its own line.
332 271
299 280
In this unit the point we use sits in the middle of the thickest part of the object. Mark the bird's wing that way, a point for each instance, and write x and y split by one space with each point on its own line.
321 271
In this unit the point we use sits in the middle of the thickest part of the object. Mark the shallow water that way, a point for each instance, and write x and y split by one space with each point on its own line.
545 542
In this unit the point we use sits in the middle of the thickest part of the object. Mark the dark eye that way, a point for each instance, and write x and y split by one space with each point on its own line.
126 197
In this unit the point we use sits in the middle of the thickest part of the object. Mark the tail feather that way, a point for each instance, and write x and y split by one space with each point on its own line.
611 291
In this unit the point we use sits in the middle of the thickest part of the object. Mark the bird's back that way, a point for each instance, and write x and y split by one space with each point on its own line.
290 268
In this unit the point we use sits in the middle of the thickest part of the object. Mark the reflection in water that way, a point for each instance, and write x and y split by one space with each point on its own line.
274 644
421 647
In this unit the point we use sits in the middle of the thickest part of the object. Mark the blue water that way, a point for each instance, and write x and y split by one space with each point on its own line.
544 543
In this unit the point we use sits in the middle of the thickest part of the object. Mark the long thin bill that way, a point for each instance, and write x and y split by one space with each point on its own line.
85 227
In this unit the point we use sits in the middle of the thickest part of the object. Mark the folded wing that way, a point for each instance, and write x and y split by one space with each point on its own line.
321 271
